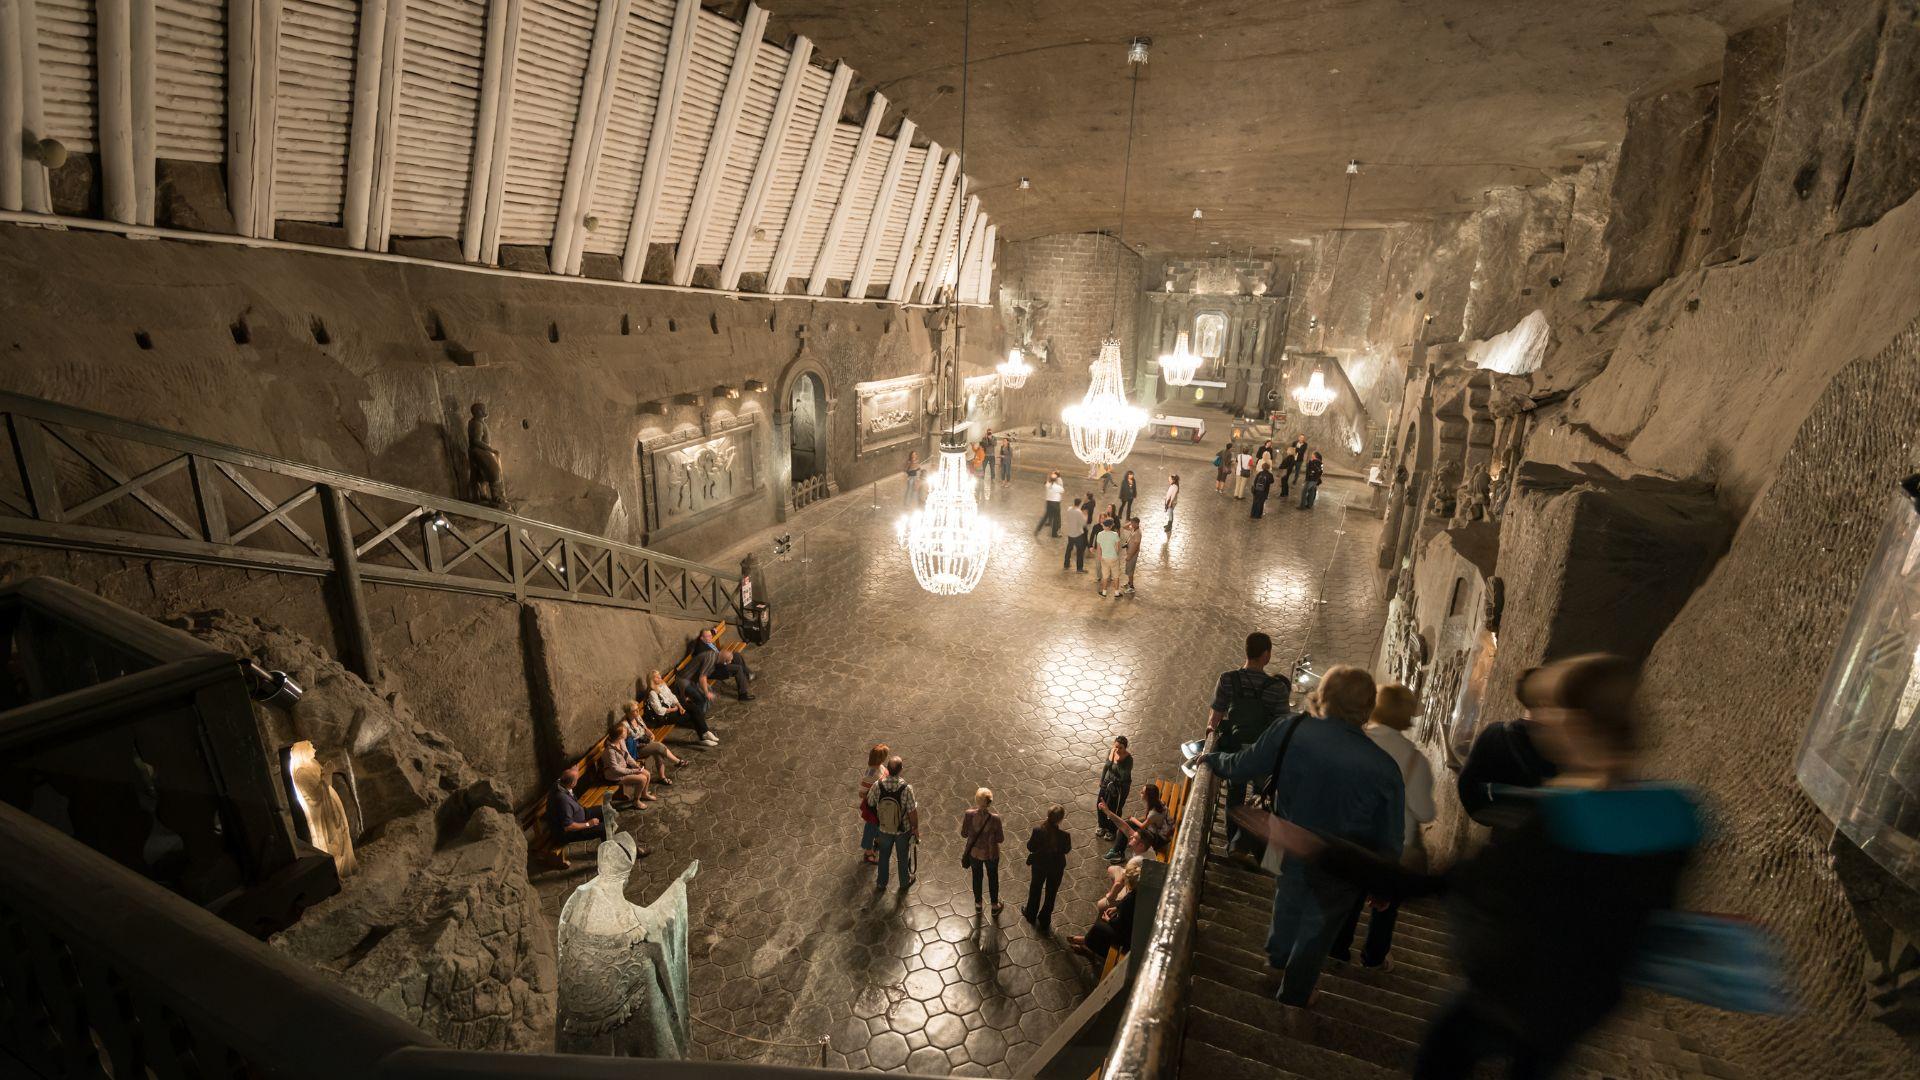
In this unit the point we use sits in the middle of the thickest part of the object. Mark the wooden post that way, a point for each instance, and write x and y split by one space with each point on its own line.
719 144
113 61
589 128
882 209
916 219
666 116
141 76
364 125
809 178
361 658
13 106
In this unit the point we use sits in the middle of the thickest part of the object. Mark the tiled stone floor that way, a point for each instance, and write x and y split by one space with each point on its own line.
1017 687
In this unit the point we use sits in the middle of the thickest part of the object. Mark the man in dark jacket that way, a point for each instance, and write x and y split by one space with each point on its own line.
1503 753
1262 485
1310 484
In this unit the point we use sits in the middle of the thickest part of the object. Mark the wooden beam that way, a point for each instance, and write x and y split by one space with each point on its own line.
719 144
916 221
387 129
577 251
882 206
253 32
762 182
589 128
13 108
113 66
926 275
666 114
963 240
141 67
36 192
849 195
488 107
497 88
363 127
809 179
935 223
984 292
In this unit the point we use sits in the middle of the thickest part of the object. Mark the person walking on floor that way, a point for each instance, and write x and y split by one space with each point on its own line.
981 830
899 820
912 471
1129 491
1242 472
1323 774
1310 486
1130 543
1246 702
1076 527
1222 468
1095 523
869 821
1051 515
1109 541
1006 458
1047 852
1285 471
1394 708
1116 779
1299 454
1172 500
1262 484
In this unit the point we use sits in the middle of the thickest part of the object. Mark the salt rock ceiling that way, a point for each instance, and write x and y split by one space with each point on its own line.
1250 109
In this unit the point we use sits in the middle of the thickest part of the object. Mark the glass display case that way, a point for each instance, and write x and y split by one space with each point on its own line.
1861 759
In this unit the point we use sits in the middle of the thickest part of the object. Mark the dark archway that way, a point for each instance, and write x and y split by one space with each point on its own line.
807 435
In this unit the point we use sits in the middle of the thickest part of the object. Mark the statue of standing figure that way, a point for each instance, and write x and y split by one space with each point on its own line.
623 967
486 480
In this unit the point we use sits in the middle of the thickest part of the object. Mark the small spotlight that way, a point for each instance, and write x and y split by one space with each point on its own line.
1137 50
654 408
438 522
275 688
1025 183
1353 168
755 386
725 393
1197 215
686 399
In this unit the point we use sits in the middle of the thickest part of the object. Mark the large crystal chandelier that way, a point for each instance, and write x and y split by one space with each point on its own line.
1014 369
948 541
1314 397
1178 367
1104 424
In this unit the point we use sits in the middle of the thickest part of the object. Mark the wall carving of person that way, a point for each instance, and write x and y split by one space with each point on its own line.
486 476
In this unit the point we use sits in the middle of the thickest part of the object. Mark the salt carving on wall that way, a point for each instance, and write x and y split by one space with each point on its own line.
1516 352
697 473
890 411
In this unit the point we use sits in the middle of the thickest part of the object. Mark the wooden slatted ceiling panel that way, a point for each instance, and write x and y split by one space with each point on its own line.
315 108
970 274
941 220
895 230
438 110
714 42
786 172
866 195
636 93
190 80
833 177
555 38
749 136
66 70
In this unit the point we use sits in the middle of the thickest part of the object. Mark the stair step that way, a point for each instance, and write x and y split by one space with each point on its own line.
1209 1026
1409 944
1252 930
1303 1025
1426 917
1389 989
1205 1059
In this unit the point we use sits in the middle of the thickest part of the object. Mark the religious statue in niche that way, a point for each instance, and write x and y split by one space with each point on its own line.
623 966
1446 485
1474 496
1436 703
1210 334
486 478
321 808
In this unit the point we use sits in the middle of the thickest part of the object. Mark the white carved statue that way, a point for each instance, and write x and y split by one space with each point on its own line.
623 966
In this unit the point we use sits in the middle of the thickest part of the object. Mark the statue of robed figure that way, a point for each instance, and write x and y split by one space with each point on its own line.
623 966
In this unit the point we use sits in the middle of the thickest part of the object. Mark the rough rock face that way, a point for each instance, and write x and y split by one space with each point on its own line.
1748 98
589 661
440 924
1654 185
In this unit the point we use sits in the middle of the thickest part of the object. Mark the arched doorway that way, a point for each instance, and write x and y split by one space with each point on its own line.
807 430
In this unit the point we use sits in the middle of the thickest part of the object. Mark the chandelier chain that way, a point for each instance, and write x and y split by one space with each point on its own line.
1126 182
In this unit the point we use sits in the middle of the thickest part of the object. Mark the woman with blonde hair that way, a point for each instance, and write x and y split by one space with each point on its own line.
1323 774
1113 927
617 767
870 820
642 745
981 830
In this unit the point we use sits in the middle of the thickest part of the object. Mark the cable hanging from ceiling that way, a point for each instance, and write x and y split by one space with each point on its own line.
1104 424
948 540
1316 396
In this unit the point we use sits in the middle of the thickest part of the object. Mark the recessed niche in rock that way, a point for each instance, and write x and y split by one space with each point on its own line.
319 331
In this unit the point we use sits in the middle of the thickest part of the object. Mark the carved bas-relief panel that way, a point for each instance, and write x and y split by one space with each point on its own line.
982 394
692 474
890 412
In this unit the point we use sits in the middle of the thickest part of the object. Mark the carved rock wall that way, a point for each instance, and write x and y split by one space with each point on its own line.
1075 288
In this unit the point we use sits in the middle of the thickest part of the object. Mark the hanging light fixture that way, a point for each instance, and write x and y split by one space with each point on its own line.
1314 397
1178 367
1104 424
947 539
1014 369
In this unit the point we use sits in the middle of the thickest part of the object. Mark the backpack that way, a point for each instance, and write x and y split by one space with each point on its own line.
890 808
1248 711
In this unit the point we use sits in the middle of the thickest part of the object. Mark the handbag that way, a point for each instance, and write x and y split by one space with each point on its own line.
966 854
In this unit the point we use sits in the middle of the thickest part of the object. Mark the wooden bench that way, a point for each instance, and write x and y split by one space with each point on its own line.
1175 797
592 791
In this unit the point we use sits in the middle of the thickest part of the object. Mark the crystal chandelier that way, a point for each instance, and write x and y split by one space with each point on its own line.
1014 369
1178 367
948 541
1314 397
1104 424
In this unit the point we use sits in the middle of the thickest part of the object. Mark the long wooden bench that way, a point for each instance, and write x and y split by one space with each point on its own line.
1175 797
592 790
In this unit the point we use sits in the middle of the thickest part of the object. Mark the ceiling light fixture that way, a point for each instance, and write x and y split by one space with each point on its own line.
1025 183
1197 215
1178 367
1014 369
1104 424
948 540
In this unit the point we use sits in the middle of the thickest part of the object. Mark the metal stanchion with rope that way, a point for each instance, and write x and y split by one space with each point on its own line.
820 1044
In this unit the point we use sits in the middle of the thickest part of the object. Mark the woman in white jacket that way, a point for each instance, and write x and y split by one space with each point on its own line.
1394 707
1173 499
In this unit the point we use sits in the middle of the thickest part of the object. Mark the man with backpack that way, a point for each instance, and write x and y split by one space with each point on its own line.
899 821
1246 701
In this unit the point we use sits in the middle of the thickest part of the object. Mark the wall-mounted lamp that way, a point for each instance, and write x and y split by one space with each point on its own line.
1197 215
686 399
1025 183
725 393
653 408
437 521
755 386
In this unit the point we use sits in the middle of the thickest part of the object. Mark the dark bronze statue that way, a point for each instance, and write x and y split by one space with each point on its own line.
486 480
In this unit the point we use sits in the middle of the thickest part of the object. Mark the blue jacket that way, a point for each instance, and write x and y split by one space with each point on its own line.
1334 780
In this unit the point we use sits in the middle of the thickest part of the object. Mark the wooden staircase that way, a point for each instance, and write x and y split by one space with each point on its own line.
1366 1024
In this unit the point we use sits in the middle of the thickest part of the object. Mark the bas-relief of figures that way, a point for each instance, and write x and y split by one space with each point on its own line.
1473 500
890 412
1446 490
700 473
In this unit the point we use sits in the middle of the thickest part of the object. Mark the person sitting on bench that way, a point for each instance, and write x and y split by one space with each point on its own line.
726 663
617 767
641 744
568 822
